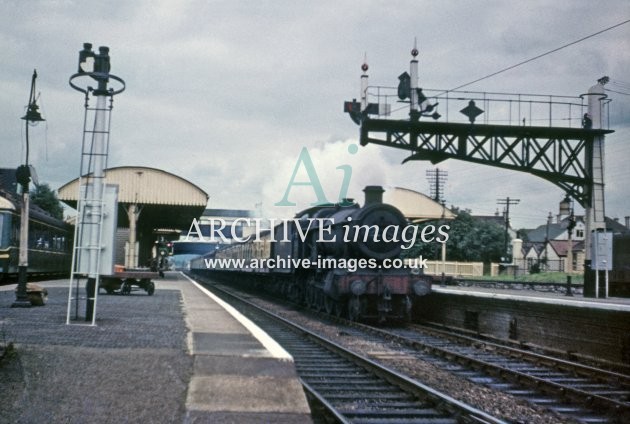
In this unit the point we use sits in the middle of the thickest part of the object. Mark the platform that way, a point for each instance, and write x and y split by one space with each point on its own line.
176 356
589 327
548 297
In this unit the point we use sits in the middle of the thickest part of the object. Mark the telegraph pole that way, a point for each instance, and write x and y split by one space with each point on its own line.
437 180
507 202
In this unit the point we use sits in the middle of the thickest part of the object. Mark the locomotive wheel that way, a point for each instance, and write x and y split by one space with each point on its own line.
354 309
337 309
299 294
329 305
408 307
319 300
295 293
308 297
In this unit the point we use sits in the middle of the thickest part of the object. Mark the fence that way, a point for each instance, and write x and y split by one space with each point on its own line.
528 266
475 269
455 269
498 108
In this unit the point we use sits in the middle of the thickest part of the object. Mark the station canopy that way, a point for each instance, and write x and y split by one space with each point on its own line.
166 200
415 206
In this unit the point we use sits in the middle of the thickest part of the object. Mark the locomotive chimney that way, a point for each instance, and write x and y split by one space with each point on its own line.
373 194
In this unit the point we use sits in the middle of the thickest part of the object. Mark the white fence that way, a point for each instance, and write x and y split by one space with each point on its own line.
455 269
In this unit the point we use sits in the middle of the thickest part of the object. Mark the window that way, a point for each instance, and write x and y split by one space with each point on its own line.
5 225
579 233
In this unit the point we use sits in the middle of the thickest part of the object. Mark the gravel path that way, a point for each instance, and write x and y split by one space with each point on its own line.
132 367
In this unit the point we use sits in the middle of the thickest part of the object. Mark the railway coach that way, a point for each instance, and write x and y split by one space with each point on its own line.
49 243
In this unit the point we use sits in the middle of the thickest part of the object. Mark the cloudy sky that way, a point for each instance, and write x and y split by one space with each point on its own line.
227 93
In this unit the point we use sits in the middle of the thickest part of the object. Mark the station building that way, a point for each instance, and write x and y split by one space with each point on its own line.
153 205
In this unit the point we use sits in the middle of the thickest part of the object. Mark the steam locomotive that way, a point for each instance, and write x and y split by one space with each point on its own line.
341 258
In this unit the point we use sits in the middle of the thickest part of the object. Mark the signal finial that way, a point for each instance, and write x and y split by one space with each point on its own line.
365 66
414 51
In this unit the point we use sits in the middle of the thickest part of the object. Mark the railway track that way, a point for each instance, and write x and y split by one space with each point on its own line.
351 388
579 392
584 392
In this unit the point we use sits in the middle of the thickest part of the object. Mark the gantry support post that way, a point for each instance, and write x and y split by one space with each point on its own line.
594 210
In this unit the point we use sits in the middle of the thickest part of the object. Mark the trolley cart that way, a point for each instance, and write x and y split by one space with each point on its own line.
123 282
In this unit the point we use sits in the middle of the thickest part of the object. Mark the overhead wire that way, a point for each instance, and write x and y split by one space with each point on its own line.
541 55
618 92
619 84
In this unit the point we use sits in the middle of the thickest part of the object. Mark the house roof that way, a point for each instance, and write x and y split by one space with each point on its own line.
540 234
616 227
562 246
538 247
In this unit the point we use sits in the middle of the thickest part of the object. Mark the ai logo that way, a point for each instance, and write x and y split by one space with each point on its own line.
304 160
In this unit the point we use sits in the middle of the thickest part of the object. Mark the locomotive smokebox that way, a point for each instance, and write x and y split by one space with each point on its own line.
373 195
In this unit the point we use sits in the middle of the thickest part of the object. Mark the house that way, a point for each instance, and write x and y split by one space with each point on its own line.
547 246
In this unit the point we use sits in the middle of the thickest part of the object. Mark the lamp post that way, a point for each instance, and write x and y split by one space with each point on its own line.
23 175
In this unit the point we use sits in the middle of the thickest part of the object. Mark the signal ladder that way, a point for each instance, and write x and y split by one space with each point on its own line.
598 182
87 245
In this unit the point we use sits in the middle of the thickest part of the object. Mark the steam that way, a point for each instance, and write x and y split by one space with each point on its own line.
366 164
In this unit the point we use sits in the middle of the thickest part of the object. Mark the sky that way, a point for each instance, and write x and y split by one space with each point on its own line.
227 94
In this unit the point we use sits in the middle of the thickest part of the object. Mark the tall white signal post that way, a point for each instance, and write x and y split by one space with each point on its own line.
93 253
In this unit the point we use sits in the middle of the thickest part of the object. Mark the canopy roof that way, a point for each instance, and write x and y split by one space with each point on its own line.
166 200
416 206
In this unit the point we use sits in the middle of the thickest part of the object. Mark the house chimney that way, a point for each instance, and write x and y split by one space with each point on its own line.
373 194
627 218
517 249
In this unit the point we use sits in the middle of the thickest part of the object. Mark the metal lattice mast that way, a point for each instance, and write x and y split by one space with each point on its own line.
87 249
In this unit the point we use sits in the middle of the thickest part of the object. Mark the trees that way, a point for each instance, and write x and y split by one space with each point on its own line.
475 240
46 199
470 240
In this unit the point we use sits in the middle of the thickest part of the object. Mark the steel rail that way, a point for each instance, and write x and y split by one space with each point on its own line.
462 412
